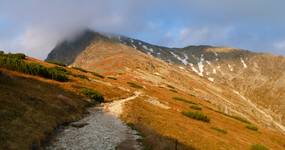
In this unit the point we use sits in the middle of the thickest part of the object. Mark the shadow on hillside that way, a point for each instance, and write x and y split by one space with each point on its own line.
67 51
155 141
30 110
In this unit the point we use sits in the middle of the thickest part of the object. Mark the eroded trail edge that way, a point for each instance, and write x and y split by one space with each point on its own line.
102 129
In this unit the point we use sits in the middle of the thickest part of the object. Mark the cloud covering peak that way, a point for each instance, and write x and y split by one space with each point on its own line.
35 27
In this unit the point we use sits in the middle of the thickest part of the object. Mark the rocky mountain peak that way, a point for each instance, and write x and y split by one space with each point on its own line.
252 77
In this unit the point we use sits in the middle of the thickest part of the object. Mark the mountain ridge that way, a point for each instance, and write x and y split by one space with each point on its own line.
207 101
230 67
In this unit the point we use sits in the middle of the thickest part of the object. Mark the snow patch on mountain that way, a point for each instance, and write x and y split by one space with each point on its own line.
208 62
214 71
230 67
201 65
194 69
216 54
211 79
244 64
183 60
134 46
146 48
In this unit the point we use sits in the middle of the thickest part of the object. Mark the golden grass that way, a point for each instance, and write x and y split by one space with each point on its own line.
159 126
30 110
161 129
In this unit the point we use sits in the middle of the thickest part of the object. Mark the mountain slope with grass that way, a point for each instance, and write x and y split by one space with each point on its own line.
35 101
200 97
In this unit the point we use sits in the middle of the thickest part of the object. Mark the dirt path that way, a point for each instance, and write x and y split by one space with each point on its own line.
103 130
116 107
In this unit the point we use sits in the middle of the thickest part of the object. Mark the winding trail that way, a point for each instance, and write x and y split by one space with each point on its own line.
103 130
116 107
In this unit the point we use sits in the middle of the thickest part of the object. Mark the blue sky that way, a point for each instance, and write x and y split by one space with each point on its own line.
36 26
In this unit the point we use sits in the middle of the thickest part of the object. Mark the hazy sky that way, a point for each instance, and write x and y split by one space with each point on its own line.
36 26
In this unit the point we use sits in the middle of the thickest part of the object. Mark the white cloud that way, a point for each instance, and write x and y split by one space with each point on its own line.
41 24
280 45
34 42
186 36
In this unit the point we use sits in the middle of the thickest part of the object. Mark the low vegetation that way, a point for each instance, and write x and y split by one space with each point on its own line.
251 127
80 69
219 130
80 76
173 90
30 110
93 73
95 96
170 86
134 85
97 75
241 119
14 56
112 78
16 62
258 147
195 107
197 115
183 100
56 63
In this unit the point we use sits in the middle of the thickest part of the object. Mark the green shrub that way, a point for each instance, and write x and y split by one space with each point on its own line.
134 85
173 90
258 147
183 100
80 69
97 75
62 69
56 73
195 107
15 62
56 63
252 127
17 55
172 87
197 115
13 56
95 96
219 130
81 76
234 117
112 78
240 119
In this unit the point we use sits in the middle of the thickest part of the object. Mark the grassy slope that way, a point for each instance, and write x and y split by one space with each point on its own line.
31 109
162 129
32 106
